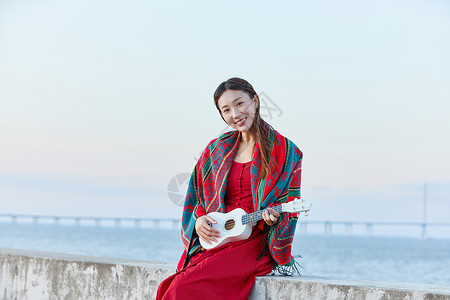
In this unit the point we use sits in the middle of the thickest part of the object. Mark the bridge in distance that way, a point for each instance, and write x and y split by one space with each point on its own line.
176 223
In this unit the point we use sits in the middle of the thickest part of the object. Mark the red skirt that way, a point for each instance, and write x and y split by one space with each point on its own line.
226 272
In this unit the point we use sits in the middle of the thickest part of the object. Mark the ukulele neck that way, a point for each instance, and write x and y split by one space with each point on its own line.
256 216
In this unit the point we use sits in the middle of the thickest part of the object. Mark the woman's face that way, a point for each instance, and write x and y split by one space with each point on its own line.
238 109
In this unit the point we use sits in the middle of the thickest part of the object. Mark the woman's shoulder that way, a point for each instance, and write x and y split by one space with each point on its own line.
212 144
279 138
222 137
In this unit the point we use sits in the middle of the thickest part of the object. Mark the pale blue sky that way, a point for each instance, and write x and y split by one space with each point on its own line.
103 102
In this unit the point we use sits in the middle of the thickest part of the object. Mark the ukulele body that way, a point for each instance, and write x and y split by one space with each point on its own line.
230 227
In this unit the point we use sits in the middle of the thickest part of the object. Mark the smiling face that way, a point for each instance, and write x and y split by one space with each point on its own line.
238 109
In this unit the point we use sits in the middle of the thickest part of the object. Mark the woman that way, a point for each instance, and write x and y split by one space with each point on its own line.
254 168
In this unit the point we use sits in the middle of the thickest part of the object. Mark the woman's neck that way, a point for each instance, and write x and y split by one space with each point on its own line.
247 137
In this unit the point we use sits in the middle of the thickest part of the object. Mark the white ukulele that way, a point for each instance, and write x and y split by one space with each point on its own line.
237 224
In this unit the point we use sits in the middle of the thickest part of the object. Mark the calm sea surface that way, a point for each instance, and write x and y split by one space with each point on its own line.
362 258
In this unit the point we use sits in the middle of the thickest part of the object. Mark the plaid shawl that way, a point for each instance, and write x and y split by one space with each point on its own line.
207 185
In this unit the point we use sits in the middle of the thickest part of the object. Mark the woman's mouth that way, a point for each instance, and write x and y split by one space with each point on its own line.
241 121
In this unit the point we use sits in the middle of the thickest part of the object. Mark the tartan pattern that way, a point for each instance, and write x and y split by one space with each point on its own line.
207 186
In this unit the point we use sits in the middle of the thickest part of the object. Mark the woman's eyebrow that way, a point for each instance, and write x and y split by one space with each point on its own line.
232 102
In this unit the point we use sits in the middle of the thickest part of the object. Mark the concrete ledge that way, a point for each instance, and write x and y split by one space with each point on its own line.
44 275
271 287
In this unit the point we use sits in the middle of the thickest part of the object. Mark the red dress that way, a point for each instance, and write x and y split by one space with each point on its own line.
229 271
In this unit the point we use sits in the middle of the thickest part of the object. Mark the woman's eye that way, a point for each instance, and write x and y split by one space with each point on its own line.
225 110
240 103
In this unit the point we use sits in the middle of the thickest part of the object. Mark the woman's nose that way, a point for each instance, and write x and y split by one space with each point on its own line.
235 113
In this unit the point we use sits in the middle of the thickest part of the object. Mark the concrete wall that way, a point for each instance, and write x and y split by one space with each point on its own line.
43 275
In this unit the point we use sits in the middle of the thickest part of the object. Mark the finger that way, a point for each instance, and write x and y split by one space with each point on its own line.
210 219
211 233
212 230
210 238
269 215
276 214
273 218
267 218
205 238
207 231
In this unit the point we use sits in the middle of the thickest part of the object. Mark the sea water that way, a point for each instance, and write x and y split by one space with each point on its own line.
390 259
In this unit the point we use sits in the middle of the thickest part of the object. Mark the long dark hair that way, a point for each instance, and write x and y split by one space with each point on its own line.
259 128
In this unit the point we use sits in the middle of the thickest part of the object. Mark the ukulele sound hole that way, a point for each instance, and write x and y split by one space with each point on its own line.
229 224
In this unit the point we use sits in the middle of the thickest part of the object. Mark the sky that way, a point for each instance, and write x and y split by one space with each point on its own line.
104 103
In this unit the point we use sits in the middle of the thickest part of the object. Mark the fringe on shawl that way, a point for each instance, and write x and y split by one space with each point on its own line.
285 270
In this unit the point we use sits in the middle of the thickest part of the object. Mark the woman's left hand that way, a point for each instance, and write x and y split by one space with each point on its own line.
270 216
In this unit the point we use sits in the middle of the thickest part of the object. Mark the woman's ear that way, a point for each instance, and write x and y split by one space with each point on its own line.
256 99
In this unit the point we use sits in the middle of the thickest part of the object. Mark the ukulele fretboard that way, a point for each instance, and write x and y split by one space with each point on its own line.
256 216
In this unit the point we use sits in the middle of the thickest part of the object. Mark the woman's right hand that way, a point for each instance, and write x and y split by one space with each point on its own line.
204 231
